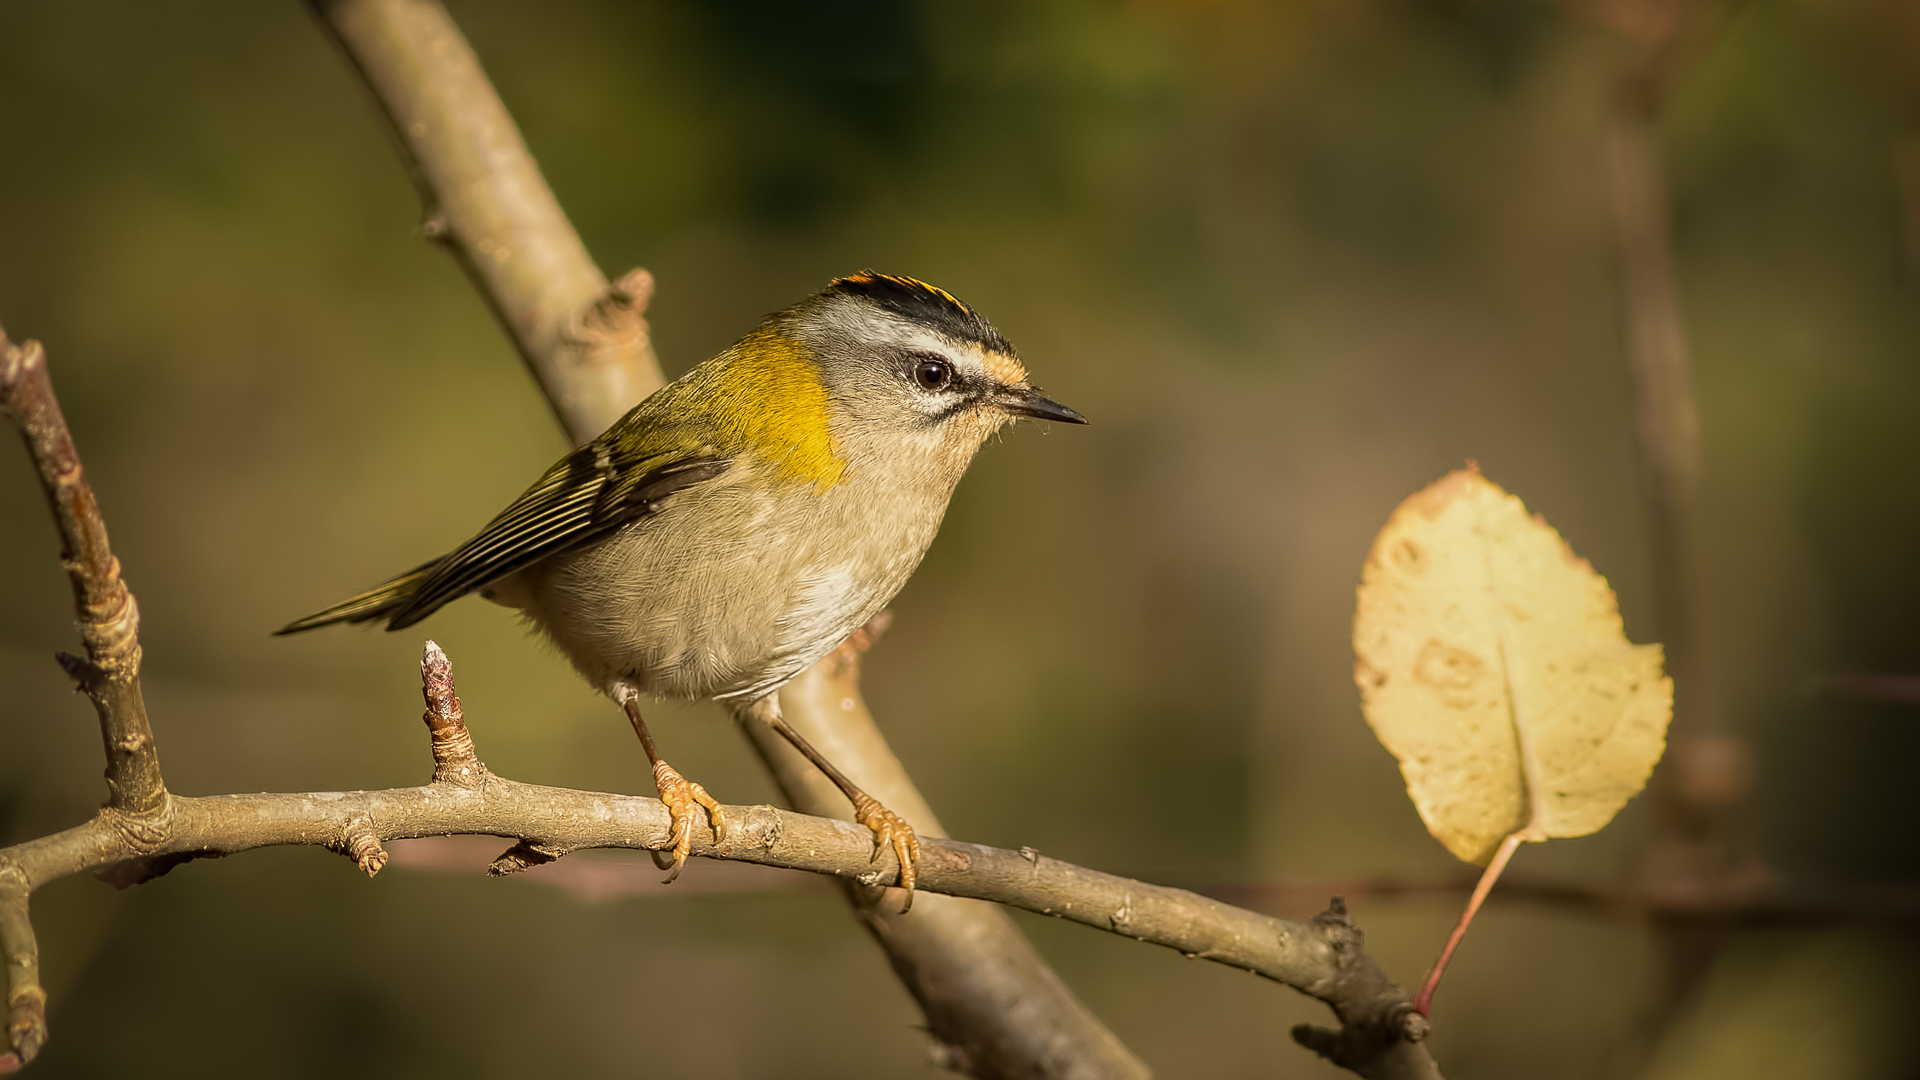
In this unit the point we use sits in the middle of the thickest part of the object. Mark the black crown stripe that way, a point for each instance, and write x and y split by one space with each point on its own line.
926 304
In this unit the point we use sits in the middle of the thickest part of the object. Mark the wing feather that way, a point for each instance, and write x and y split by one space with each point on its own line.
588 494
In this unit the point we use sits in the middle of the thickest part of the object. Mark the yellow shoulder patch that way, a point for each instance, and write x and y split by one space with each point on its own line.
768 396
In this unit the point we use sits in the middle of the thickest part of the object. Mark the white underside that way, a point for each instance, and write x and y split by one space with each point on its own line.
735 585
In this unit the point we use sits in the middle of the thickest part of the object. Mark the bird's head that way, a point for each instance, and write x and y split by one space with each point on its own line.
903 357
872 368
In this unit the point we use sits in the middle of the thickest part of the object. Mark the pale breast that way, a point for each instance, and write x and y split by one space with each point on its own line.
734 587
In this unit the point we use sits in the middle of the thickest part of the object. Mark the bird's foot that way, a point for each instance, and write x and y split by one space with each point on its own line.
891 830
681 795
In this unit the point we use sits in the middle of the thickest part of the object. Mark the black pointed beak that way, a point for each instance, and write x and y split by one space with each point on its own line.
1030 403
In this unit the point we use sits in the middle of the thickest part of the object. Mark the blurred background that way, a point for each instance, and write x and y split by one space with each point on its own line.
1295 260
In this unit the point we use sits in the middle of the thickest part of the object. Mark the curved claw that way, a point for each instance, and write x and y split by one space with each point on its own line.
681 796
890 830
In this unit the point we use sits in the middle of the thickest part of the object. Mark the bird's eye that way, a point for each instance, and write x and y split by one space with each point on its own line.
932 374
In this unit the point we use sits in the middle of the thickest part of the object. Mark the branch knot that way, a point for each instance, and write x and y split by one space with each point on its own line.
361 844
144 831
110 626
1337 929
1379 1027
16 362
525 855
614 325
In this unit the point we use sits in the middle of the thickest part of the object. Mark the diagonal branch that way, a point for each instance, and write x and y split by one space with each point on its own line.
109 617
585 342
993 1006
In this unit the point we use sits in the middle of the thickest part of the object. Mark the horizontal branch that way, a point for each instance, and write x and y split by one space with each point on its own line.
1319 958
1379 1035
1903 689
1738 904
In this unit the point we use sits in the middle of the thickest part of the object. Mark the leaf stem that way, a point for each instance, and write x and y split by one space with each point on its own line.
1423 1001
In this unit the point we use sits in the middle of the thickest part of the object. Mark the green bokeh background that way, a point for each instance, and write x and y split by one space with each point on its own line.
1294 259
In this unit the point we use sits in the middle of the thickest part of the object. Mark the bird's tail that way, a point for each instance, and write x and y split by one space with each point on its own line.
376 603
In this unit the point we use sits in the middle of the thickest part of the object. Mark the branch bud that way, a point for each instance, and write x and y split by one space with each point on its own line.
454 759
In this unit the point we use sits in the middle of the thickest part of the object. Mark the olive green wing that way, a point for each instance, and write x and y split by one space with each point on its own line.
589 494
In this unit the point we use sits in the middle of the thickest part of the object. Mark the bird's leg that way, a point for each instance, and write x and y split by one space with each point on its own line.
679 793
889 828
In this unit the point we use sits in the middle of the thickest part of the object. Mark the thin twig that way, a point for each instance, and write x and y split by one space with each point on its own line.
1900 689
109 618
1760 905
26 1002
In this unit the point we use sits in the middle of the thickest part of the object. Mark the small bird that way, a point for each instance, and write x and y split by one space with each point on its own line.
742 521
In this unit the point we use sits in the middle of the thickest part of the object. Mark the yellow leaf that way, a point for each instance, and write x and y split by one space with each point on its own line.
1493 665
